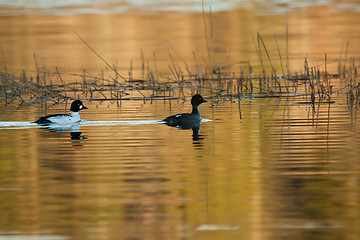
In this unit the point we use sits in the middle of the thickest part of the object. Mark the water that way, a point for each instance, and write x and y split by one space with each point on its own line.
267 169
122 40
259 168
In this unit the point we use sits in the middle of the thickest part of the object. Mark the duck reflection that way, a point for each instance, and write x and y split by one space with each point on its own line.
74 129
195 126
196 135
77 136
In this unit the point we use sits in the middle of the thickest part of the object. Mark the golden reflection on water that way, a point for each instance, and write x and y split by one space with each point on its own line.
313 32
277 170
263 168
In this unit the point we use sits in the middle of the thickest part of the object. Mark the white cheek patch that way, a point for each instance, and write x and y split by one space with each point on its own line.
81 106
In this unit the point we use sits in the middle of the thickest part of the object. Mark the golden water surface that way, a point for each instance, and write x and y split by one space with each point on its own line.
262 168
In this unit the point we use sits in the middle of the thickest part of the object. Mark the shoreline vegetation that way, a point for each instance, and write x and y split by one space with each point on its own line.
230 82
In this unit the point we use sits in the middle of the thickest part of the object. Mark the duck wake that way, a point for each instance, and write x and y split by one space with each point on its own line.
24 125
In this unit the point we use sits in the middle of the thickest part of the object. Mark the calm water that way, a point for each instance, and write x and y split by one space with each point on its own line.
264 169
130 41
260 168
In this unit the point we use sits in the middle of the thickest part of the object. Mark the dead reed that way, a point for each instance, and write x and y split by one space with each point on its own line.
227 82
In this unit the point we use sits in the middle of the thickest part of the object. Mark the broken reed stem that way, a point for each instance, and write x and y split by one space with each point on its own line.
266 51
278 49
171 47
327 79
287 46
282 67
175 67
62 82
258 51
45 86
37 70
307 76
142 63
156 70
84 85
107 63
197 66
175 75
131 74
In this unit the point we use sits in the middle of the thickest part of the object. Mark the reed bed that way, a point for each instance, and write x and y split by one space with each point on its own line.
226 82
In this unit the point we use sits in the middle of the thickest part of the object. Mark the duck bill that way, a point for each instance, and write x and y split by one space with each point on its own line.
83 107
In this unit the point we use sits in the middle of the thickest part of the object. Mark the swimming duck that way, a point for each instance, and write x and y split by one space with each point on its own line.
76 106
187 120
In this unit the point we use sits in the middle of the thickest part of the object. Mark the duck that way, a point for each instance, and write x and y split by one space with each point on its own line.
187 120
76 106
